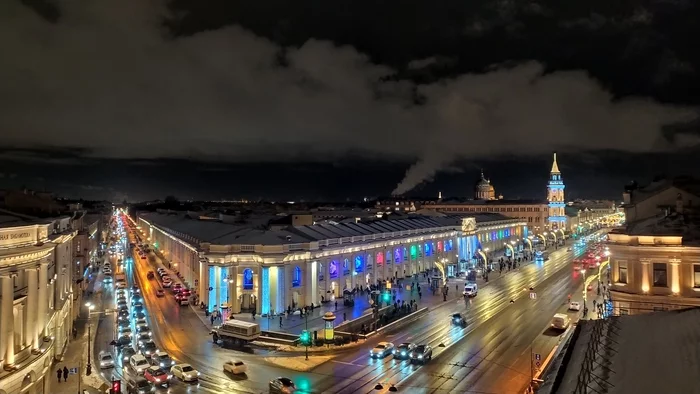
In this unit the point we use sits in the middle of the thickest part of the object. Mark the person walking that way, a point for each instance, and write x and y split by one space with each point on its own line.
280 321
58 374
75 332
65 374
345 316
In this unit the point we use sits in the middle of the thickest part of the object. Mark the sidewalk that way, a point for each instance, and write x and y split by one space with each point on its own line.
75 356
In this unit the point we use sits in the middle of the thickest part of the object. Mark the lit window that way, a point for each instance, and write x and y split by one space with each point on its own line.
696 275
296 277
622 272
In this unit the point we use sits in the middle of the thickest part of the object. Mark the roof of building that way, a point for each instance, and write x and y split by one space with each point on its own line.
686 225
467 202
646 354
555 166
686 183
13 219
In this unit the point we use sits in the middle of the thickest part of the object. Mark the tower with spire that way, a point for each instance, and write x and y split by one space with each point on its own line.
555 196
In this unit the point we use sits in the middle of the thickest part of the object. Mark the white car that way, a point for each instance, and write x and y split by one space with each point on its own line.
574 306
184 372
106 360
236 367
167 282
382 350
139 363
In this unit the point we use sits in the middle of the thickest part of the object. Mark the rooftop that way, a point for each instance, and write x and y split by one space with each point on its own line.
456 201
688 184
12 219
686 225
646 354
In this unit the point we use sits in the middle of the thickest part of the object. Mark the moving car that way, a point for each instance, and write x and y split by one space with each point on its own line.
403 351
125 331
106 360
143 337
236 367
150 275
126 353
282 386
162 359
421 354
160 293
167 282
144 329
157 376
148 348
184 372
470 290
560 321
139 386
574 306
459 320
382 350
139 363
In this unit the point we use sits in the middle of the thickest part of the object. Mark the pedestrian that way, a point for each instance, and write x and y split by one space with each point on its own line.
336 305
280 321
253 313
75 332
58 374
65 374
345 316
211 318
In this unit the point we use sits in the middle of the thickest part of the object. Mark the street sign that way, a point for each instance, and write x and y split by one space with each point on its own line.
533 295
73 371
537 357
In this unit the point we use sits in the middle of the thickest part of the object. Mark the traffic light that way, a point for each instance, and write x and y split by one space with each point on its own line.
116 387
305 338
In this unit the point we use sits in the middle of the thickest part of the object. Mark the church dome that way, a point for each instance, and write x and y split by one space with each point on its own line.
483 190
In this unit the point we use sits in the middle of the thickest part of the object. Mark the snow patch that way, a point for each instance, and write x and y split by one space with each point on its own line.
298 363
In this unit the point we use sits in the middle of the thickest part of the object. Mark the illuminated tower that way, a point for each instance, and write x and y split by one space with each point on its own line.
555 195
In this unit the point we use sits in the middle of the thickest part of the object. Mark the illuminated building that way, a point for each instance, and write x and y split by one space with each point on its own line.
655 258
484 189
263 270
36 299
555 197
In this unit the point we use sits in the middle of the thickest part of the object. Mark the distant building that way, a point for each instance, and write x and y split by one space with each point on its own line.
555 197
483 190
655 259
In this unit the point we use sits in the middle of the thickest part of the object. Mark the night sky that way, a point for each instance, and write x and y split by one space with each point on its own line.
321 100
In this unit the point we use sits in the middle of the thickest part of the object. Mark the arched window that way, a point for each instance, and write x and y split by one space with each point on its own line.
296 277
428 249
449 245
247 279
388 257
380 258
346 267
359 264
405 254
397 255
333 269
420 250
439 246
414 252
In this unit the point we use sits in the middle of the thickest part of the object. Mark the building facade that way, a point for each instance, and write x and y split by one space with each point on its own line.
556 219
36 299
271 270
655 258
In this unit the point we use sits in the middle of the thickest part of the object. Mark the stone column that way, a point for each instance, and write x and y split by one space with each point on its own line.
217 285
286 282
203 282
42 303
645 276
31 322
7 322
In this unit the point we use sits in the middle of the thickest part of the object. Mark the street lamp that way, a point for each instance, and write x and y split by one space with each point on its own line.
529 243
90 307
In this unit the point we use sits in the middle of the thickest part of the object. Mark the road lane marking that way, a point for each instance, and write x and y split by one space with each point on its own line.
346 363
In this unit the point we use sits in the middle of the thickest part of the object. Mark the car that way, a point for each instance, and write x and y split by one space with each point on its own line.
123 314
282 385
162 359
125 331
139 363
142 338
138 309
148 348
382 350
106 360
139 386
176 288
124 340
126 353
135 289
143 257
459 320
136 299
121 298
150 275
470 290
574 306
160 293
107 271
184 372
121 285
167 283
236 367
143 329
122 305
141 322
140 315
108 278
421 354
560 321
157 376
403 351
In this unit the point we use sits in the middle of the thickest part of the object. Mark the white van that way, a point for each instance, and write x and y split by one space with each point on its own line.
139 363
470 290
560 321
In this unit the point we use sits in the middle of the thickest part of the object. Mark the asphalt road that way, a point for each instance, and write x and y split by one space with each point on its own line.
493 358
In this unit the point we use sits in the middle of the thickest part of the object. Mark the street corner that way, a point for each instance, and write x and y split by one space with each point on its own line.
298 363
314 349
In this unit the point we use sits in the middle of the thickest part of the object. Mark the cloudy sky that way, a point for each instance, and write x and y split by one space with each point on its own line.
234 90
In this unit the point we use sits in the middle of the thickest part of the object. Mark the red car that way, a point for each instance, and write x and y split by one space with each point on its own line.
157 376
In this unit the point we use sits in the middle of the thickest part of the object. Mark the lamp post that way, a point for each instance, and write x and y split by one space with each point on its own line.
90 307
529 243
583 272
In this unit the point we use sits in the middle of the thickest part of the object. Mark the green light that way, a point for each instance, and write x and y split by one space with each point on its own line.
386 297
305 338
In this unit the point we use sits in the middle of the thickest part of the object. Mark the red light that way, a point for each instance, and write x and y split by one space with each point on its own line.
117 387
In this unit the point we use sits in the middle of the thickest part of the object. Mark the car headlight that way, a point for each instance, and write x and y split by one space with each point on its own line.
198 373
403 353
421 356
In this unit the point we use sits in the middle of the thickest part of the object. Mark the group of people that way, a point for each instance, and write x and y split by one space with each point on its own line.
63 372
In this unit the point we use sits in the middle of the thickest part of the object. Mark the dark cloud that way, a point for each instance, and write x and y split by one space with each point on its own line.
107 78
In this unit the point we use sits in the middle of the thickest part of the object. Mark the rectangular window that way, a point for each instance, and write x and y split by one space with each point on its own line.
622 272
696 275
660 275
